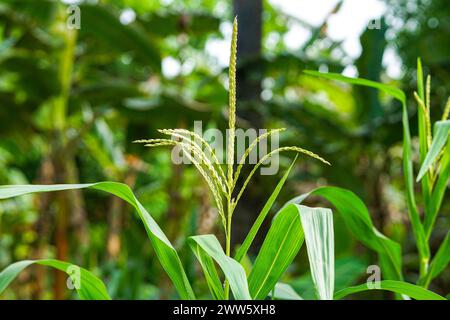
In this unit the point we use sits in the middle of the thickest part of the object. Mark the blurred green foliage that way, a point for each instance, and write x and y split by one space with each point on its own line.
117 92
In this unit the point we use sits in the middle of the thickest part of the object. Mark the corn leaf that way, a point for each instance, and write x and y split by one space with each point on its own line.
418 230
242 251
441 259
396 93
399 287
166 253
283 291
283 241
438 192
317 225
281 245
357 219
233 271
210 272
441 132
88 286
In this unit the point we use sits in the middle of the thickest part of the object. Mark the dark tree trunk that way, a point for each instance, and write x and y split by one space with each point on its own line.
249 15
249 76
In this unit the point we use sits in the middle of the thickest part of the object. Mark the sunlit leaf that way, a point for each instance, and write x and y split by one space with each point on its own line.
441 259
283 241
356 217
439 190
88 286
441 132
418 229
233 271
166 253
284 291
242 251
399 287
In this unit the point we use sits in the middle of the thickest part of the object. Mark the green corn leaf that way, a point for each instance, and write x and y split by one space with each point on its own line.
283 291
242 251
281 245
440 260
419 233
396 93
283 241
233 271
357 219
166 253
210 272
317 225
399 287
438 192
441 132
88 286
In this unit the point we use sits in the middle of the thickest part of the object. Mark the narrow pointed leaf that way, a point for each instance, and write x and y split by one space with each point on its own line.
242 251
396 93
233 271
317 225
441 129
166 253
418 229
438 192
357 219
88 286
281 245
283 291
283 241
399 287
441 259
210 272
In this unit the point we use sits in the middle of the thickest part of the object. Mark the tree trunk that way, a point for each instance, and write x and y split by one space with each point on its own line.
249 76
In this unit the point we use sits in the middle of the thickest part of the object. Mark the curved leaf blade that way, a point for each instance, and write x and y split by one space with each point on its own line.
396 93
233 271
166 253
283 291
210 272
356 217
418 229
290 227
438 193
441 132
317 225
399 287
441 259
242 251
281 245
88 286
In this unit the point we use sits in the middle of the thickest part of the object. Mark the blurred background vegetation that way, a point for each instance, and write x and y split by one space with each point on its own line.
72 102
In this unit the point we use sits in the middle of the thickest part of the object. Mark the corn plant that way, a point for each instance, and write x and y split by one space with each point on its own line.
292 225
434 174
